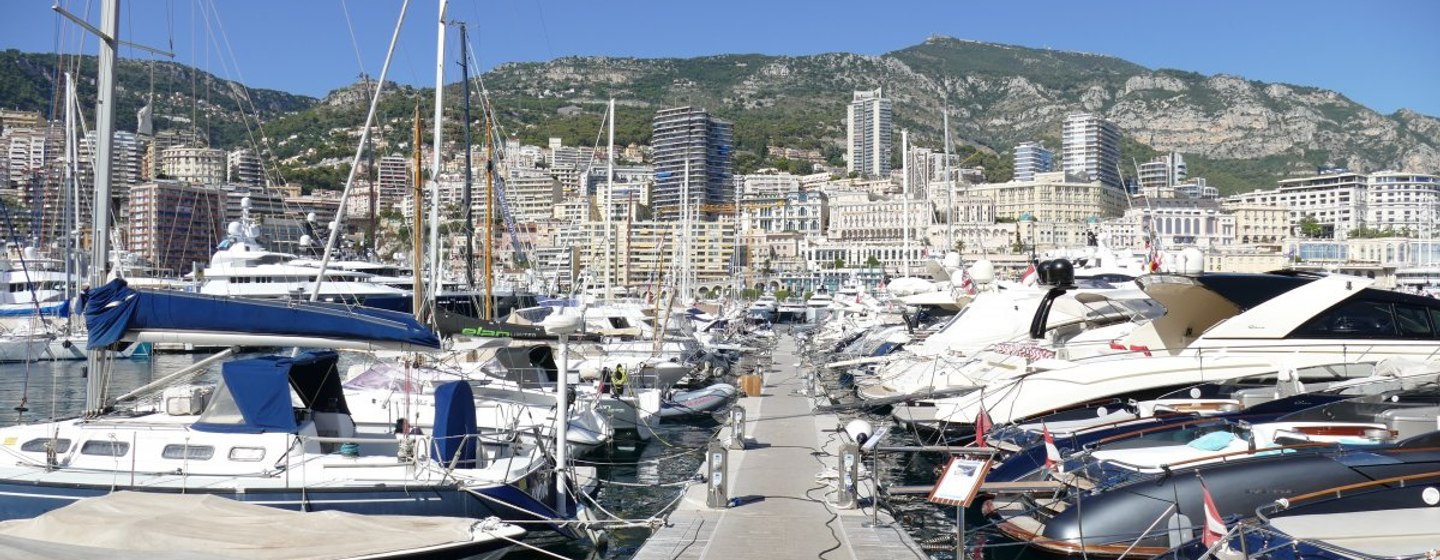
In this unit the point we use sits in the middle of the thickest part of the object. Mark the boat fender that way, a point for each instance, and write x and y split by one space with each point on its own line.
66 344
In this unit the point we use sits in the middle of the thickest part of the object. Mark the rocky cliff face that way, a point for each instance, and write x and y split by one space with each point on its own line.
1000 95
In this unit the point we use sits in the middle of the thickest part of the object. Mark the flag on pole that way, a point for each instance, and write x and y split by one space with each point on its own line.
1028 278
1052 453
982 426
1214 526
967 284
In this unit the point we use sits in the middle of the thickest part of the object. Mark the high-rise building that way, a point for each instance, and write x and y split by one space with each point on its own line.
243 167
395 182
868 134
1091 148
1032 158
1164 171
690 135
173 224
151 163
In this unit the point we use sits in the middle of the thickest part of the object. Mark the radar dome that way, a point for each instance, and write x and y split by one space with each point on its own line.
982 272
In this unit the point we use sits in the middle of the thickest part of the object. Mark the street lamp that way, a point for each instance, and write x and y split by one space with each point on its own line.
562 325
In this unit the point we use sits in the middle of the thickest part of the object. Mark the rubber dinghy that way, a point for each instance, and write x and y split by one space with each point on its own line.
698 402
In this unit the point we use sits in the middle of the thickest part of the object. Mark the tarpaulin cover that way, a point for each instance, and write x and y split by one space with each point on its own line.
115 308
455 425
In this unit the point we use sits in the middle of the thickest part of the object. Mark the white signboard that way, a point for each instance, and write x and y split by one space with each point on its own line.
960 481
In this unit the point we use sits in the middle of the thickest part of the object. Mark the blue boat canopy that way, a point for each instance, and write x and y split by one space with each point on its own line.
115 311
255 394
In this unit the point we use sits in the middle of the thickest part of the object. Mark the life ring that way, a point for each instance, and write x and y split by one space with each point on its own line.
618 376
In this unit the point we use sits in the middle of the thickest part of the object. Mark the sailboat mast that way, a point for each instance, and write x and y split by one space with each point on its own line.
905 197
435 264
685 235
610 203
71 199
949 190
469 173
98 377
490 201
418 289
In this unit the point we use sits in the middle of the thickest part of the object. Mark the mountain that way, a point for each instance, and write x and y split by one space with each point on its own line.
182 94
1240 134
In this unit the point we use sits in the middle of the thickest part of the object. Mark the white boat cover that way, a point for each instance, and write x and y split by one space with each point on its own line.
174 526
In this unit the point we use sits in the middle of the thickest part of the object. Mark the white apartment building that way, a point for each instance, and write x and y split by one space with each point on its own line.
1403 202
768 185
1051 197
880 220
645 253
868 134
1336 200
803 212
531 194
195 165
1091 147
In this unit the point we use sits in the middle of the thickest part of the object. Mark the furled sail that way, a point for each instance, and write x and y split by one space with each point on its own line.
115 311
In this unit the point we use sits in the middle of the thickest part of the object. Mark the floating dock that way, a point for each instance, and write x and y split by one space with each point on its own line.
787 507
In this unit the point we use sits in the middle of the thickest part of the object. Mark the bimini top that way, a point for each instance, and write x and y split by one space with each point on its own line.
115 311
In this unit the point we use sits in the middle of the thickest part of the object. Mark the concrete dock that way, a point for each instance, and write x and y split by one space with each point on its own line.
788 447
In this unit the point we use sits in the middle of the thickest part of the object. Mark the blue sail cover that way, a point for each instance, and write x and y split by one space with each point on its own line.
48 309
113 309
455 428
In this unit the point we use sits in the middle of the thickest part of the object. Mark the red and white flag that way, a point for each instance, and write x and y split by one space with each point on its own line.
1052 453
1214 526
1028 277
967 284
982 426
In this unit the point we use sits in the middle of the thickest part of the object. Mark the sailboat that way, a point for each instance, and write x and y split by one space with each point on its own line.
275 430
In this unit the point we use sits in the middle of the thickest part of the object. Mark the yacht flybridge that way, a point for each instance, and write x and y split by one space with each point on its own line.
242 266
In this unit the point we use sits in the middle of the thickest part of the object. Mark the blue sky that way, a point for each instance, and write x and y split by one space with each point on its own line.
1383 54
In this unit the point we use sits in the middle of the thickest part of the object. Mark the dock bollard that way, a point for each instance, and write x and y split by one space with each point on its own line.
717 493
847 495
737 428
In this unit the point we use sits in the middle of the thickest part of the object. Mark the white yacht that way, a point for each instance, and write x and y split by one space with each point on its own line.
243 267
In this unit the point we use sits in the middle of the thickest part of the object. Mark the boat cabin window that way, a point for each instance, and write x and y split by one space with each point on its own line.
619 323
188 452
37 445
1367 318
247 454
105 447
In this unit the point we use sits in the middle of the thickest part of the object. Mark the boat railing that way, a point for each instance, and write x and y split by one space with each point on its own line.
1263 512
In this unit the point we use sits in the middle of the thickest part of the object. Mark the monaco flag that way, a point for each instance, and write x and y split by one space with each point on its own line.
1214 526
982 426
1052 453
1028 278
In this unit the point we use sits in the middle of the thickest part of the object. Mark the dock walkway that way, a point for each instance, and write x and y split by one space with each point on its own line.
789 445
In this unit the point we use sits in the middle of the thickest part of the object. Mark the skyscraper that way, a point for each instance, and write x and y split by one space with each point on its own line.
1091 148
868 134
689 134
1032 158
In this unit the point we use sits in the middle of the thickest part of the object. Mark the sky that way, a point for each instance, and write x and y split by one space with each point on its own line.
1383 54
